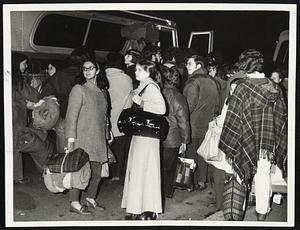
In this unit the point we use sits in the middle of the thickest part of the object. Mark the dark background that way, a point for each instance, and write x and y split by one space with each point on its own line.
234 31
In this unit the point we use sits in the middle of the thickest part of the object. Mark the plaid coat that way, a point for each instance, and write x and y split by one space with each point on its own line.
256 123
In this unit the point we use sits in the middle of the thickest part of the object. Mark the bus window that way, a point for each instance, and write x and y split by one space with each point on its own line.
105 36
202 41
60 31
165 39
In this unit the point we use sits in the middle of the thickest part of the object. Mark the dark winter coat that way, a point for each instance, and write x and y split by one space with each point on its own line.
203 99
222 90
178 118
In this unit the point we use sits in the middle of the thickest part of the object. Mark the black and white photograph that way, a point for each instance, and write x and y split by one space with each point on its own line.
139 114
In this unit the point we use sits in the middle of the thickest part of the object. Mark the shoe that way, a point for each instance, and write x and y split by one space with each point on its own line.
148 216
95 205
25 180
133 217
145 216
115 178
261 217
191 188
81 211
200 186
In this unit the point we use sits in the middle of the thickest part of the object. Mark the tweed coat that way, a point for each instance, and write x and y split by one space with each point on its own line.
86 120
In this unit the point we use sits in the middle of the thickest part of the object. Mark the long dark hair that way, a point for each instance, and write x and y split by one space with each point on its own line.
171 76
136 55
101 79
250 61
17 77
153 69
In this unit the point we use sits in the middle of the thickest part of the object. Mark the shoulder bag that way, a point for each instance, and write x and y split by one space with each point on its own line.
135 121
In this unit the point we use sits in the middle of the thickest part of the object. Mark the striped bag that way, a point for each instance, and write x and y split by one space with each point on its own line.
234 200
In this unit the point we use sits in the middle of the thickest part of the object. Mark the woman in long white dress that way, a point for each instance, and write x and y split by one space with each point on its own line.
142 187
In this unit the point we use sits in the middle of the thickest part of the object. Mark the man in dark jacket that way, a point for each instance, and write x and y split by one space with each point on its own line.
203 99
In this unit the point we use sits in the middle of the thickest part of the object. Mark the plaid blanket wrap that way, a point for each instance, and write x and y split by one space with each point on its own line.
255 126
73 162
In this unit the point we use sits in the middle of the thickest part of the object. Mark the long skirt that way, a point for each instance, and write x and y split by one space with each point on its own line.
142 186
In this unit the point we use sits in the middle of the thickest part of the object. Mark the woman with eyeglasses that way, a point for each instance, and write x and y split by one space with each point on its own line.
86 128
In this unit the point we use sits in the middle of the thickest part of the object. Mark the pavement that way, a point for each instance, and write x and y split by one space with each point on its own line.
33 202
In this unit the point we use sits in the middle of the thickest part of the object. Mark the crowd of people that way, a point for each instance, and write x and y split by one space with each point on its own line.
190 91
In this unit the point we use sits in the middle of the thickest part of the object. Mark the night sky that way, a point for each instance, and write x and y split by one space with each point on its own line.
235 31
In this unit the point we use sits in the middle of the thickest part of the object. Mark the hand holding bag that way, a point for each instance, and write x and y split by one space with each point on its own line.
209 147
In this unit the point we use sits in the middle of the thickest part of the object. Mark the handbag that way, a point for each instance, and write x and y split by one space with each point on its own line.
111 159
234 199
136 121
105 170
209 147
184 173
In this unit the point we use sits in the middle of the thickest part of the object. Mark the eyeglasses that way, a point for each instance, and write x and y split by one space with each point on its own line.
88 69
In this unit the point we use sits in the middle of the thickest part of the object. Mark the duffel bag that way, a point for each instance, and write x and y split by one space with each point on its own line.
46 113
67 162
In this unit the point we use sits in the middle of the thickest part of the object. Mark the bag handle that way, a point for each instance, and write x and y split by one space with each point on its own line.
141 92
63 161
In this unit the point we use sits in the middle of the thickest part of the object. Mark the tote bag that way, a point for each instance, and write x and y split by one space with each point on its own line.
184 173
209 147
234 200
